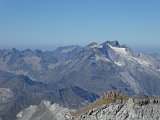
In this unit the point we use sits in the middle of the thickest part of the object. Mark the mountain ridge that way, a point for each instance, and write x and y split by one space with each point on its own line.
74 76
109 63
119 108
19 91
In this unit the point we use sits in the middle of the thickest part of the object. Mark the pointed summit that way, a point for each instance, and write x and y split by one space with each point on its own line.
112 43
94 45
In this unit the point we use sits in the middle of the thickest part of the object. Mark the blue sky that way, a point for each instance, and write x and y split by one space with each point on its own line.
48 24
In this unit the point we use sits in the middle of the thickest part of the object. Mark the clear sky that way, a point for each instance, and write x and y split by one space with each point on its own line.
48 24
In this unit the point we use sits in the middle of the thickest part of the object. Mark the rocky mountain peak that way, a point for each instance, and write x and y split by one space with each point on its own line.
111 97
115 44
114 96
14 50
38 51
93 45
112 43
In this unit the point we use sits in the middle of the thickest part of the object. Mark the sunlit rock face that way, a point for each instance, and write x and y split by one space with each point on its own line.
45 111
132 108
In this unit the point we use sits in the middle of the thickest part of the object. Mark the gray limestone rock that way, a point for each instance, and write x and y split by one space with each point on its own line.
133 109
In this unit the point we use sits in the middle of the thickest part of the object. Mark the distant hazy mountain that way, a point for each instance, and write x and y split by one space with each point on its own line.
156 55
67 52
95 68
35 63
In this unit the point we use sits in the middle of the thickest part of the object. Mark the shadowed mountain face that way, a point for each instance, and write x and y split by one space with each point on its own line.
18 92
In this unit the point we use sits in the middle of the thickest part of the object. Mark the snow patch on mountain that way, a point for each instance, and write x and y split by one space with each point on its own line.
102 58
142 60
119 64
119 50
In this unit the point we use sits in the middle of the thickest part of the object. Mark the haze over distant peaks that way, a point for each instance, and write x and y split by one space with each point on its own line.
74 76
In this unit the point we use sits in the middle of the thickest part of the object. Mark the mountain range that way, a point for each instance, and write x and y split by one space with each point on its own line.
73 76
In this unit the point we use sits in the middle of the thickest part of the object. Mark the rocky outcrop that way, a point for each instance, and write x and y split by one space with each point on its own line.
113 96
45 111
135 108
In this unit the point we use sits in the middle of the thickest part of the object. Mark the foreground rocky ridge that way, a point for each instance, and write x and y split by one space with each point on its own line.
113 96
133 109
122 108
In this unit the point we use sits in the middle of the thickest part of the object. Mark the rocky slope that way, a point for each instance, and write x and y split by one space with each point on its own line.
133 109
113 96
45 111
113 105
